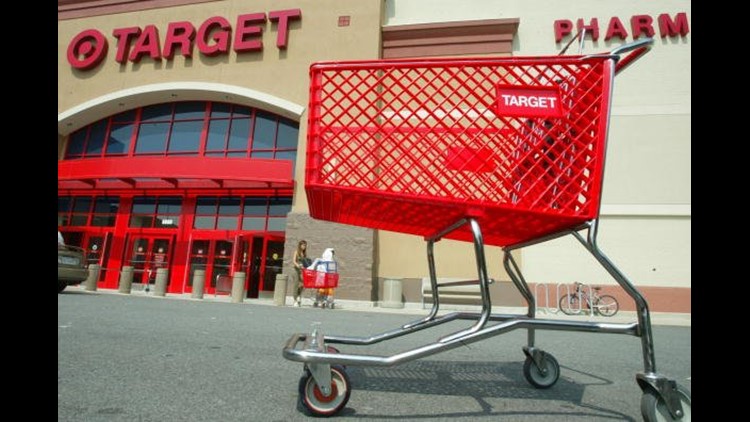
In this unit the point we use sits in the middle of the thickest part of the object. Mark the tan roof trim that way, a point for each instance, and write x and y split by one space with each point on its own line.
488 36
73 9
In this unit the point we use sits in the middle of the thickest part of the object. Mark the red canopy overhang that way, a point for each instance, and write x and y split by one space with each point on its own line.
174 173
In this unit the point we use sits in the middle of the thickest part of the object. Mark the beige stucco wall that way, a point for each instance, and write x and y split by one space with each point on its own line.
406 256
645 227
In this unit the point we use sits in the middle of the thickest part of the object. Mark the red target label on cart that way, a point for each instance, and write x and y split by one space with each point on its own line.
540 101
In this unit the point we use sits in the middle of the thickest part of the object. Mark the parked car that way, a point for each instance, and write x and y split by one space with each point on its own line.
71 268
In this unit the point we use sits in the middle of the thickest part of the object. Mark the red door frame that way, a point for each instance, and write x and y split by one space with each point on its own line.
255 282
244 259
270 237
100 255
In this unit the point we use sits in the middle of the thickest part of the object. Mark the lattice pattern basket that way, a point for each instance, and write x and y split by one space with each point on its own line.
413 146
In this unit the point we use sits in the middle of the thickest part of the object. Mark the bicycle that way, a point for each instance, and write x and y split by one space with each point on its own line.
604 305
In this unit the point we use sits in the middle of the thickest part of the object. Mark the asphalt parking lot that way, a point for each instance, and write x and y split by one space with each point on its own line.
129 357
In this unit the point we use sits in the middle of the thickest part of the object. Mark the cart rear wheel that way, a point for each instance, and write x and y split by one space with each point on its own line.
653 408
61 285
315 403
545 378
570 304
607 305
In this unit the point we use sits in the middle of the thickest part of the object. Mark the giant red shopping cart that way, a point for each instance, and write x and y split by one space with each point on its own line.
502 151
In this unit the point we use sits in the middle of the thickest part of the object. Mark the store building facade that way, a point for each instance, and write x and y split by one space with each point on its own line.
182 137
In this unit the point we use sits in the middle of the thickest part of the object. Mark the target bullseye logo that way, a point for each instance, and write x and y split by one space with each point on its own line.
87 49
215 36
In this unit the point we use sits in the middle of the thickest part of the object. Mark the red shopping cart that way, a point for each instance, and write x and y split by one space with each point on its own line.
502 151
322 284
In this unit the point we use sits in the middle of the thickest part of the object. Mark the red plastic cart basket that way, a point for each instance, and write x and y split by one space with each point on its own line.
312 279
413 146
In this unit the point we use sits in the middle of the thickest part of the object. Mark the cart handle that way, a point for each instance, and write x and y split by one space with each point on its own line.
636 50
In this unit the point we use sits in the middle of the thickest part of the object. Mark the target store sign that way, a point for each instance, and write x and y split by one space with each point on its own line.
214 36
528 101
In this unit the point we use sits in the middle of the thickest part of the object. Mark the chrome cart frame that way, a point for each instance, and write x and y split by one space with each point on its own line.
312 351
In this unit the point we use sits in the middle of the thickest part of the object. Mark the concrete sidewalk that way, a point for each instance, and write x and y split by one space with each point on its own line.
412 308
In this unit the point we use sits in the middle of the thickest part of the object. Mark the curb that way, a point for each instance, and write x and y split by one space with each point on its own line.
411 308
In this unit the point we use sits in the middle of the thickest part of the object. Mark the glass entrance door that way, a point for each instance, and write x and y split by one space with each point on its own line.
97 250
261 257
274 261
214 256
146 254
221 267
252 249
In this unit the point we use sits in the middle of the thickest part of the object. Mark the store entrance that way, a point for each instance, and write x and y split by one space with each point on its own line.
261 257
146 254
214 256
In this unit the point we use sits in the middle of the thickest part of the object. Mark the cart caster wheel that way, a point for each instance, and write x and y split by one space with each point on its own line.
538 378
654 409
312 400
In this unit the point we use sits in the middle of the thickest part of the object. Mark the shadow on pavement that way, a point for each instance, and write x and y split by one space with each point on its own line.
479 380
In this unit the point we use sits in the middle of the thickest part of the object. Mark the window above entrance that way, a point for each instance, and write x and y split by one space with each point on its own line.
182 145
98 211
238 213
156 212
192 128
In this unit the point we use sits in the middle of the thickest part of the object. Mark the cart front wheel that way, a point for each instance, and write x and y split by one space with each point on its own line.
653 408
545 377
315 403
